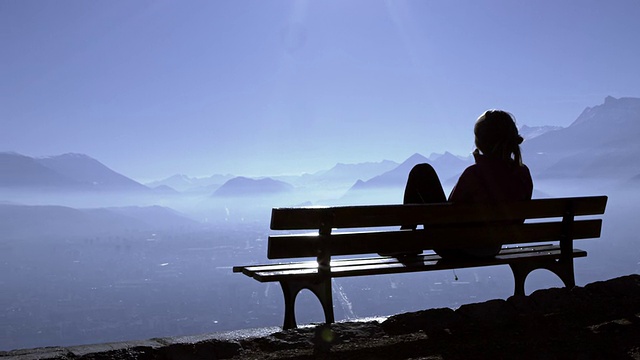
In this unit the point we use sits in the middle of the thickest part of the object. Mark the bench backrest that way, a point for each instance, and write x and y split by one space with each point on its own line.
446 225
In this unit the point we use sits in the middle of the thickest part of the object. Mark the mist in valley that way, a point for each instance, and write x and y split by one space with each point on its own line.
89 265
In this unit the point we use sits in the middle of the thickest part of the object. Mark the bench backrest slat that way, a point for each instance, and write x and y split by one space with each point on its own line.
310 218
452 236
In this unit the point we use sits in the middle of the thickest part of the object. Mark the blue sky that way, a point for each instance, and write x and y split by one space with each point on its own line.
155 88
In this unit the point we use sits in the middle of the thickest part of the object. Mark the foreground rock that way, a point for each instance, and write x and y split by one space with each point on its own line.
598 321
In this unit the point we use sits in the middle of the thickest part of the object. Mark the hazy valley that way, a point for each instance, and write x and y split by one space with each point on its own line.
90 255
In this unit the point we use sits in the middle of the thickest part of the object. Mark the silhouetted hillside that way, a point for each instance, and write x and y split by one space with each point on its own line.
613 124
601 143
530 132
89 171
447 165
184 183
165 190
392 178
348 174
246 187
19 171
69 172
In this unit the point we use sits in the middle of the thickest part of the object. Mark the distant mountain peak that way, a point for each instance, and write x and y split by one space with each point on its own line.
70 155
244 186
182 182
71 171
449 155
615 110
530 132
415 159
17 170
179 177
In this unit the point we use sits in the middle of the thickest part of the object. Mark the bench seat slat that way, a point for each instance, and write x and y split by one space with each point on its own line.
250 269
421 263
300 246
313 263
310 218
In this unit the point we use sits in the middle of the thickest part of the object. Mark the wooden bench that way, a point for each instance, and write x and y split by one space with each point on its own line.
544 241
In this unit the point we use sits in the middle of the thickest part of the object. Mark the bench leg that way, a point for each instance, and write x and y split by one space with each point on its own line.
321 289
564 270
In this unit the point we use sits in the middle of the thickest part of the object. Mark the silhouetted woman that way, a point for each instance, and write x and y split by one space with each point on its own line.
497 175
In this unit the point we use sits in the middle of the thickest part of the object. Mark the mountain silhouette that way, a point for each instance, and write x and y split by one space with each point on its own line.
388 187
246 187
69 172
612 124
530 132
19 171
184 183
89 171
165 190
341 173
447 166
392 178
601 143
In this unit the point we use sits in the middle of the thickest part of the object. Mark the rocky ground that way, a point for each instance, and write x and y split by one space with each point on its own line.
598 321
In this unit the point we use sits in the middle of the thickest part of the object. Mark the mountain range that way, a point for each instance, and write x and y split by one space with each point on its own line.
446 165
600 143
195 185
